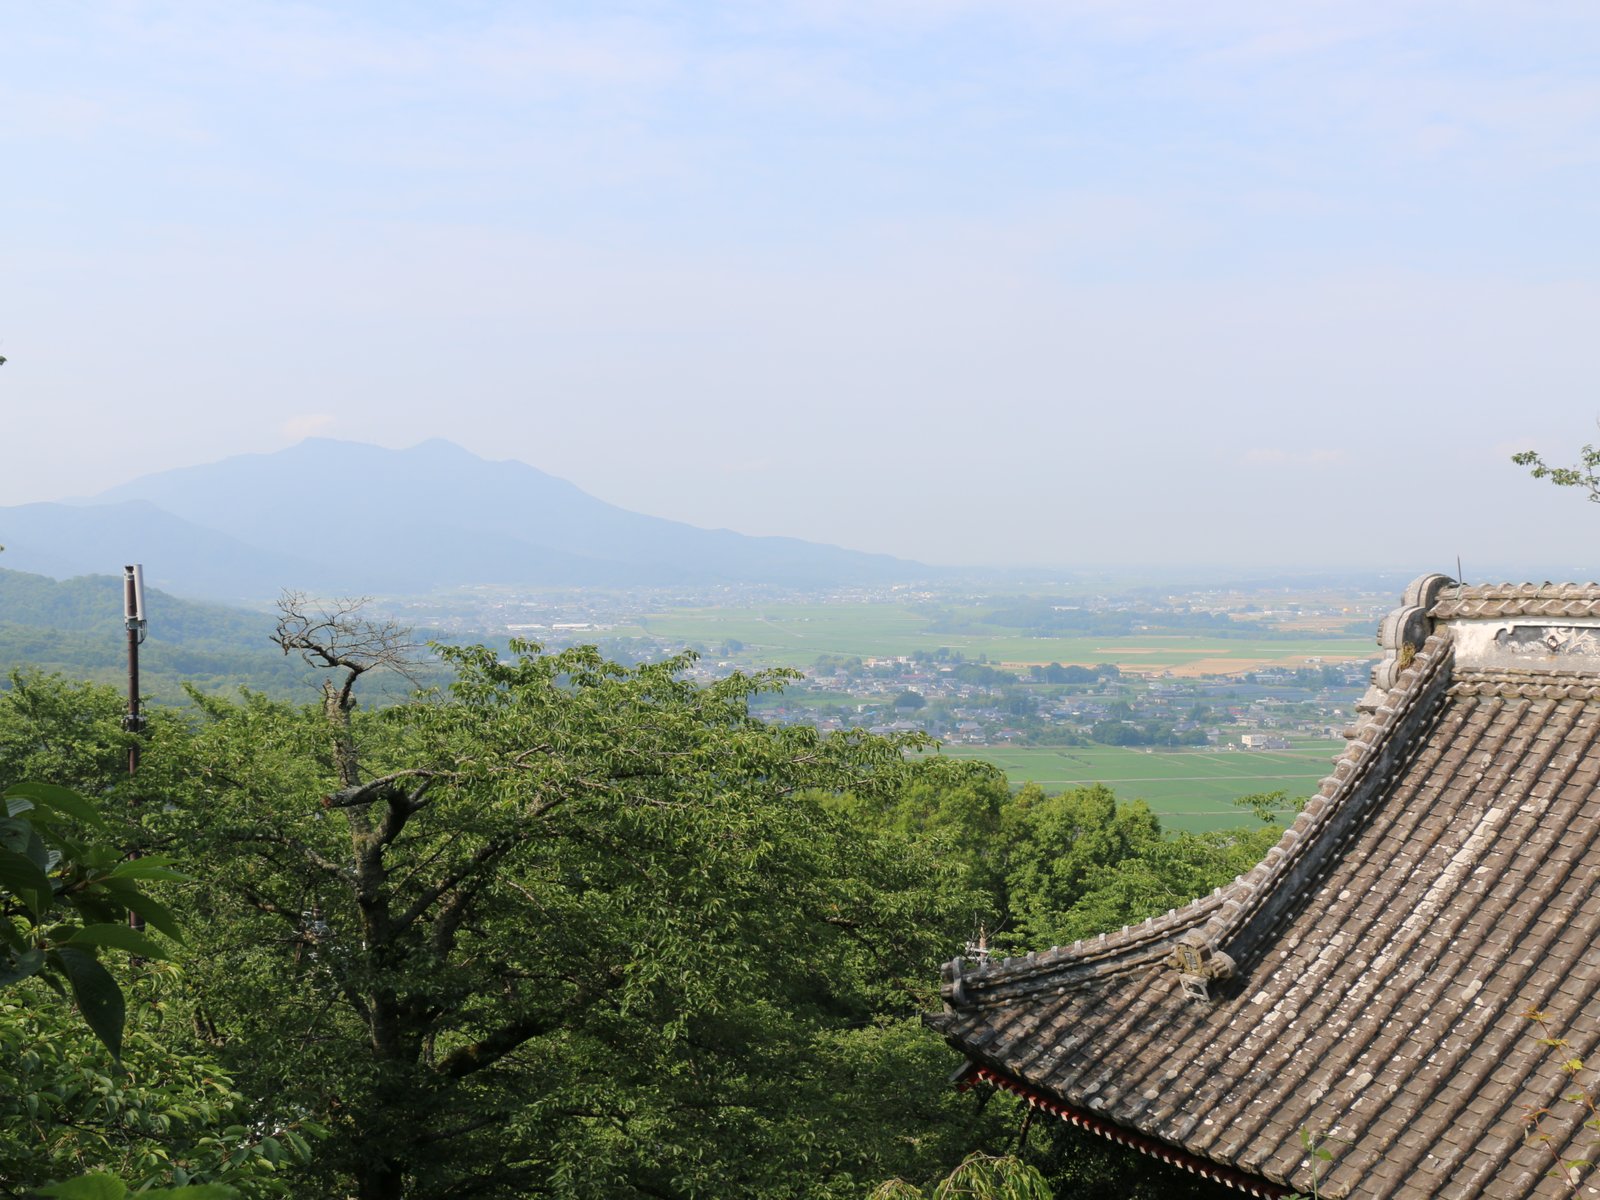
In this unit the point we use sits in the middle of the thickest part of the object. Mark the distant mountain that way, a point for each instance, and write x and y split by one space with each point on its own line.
68 540
348 517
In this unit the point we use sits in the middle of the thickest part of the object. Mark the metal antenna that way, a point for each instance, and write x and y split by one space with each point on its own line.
135 623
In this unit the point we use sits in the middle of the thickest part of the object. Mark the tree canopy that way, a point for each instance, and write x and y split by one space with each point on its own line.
567 926
578 929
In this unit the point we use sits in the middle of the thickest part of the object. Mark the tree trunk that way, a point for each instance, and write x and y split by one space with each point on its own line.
336 706
382 1180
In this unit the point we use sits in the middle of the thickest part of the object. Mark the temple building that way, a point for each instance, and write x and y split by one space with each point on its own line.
1403 999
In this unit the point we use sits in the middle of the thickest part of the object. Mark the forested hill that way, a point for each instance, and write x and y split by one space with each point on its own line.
344 518
76 627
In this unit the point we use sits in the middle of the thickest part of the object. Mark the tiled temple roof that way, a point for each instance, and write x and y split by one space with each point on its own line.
1367 983
1518 600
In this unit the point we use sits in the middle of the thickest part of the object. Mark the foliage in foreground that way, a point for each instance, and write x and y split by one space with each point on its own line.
979 1177
570 928
575 929
83 1091
1054 868
65 897
156 1116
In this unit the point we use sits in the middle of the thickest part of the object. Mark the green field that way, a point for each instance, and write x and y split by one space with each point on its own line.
794 635
1188 789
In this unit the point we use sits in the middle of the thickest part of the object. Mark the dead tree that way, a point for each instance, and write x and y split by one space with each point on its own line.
337 636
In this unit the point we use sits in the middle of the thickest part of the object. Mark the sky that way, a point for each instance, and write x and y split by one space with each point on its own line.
1109 282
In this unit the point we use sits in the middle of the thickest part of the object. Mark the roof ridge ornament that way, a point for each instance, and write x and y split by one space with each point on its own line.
1199 965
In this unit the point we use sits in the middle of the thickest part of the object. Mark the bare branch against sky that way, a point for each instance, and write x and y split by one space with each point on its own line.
1013 281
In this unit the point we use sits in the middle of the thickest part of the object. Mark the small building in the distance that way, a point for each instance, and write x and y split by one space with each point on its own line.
1408 984
1263 741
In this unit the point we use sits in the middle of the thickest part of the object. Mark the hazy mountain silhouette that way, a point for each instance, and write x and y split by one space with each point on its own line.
350 517
67 540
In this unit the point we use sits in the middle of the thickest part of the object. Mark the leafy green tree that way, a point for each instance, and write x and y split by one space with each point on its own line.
1119 733
979 1177
66 732
955 809
153 1116
64 897
1270 808
1158 875
79 1091
1059 845
570 928
1584 474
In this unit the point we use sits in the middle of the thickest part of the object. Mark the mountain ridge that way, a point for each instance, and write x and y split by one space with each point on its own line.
346 516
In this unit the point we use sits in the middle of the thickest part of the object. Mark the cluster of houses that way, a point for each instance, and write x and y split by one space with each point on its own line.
957 701
1255 712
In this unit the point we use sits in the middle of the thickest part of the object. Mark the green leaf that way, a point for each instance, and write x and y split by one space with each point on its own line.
120 936
98 997
155 866
57 802
98 1186
194 1191
19 873
22 966
155 913
40 854
14 834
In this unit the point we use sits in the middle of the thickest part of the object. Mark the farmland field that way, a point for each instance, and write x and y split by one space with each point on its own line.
1189 789
794 635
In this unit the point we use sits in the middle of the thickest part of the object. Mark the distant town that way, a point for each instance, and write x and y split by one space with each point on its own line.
1242 669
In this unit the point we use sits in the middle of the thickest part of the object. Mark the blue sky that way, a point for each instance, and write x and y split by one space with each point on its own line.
1004 282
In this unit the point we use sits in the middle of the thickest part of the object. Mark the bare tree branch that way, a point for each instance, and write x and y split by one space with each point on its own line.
335 634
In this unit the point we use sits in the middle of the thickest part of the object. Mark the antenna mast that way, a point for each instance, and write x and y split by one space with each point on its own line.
133 603
133 722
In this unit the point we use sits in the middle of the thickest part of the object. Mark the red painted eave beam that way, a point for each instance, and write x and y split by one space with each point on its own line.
1172 1155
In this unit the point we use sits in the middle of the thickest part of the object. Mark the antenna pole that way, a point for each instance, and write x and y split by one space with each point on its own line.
133 722
133 604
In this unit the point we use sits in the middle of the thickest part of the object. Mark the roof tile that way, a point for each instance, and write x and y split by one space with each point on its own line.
1445 880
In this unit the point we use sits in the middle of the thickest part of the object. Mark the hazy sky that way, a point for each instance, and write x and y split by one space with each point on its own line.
1006 281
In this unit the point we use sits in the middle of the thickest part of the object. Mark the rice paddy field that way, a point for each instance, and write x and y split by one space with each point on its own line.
794 635
1189 789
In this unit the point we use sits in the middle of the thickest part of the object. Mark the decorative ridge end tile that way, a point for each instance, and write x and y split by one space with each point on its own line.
1401 634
